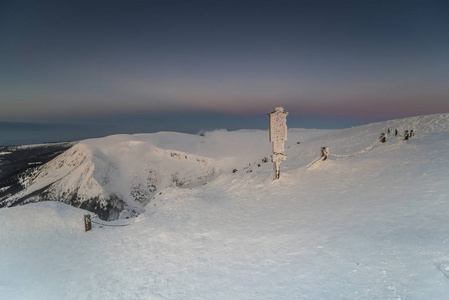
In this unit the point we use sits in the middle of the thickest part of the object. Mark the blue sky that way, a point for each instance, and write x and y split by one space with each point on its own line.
69 61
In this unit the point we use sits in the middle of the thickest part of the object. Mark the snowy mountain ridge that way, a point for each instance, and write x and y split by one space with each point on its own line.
119 177
116 176
373 225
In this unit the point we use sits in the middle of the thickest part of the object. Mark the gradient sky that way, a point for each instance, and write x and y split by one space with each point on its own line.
66 59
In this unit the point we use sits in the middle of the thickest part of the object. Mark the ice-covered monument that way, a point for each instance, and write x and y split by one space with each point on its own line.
278 135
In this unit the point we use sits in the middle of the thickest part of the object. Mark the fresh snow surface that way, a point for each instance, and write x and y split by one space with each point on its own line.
371 222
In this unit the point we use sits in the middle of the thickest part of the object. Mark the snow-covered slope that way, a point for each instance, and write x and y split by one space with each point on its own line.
117 176
371 222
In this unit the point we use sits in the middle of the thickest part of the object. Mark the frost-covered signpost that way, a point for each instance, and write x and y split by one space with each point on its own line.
278 135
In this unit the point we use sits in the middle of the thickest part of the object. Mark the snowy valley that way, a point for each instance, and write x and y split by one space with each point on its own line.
370 222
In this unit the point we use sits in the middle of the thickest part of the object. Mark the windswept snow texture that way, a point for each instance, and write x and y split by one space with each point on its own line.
364 224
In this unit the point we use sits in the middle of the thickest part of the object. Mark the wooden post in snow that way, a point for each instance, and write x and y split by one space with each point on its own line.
324 153
406 135
87 223
278 135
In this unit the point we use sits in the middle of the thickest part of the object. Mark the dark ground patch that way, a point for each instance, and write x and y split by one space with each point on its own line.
20 161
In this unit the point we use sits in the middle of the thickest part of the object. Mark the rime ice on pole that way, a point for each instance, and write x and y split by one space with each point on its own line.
278 135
